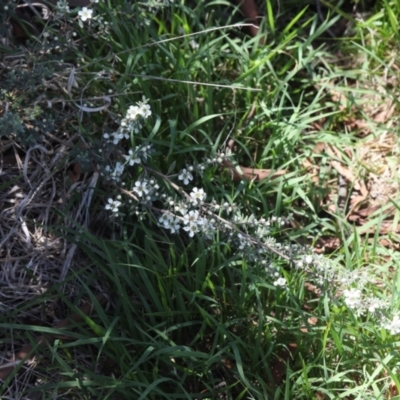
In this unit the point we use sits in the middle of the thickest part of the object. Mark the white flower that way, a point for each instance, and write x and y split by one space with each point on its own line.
132 158
174 226
165 220
136 126
113 205
308 259
202 221
191 217
144 109
117 137
181 207
208 226
141 187
85 13
280 282
118 171
62 7
197 195
394 325
132 113
185 176
94 1
373 307
352 298
375 304
119 168
191 229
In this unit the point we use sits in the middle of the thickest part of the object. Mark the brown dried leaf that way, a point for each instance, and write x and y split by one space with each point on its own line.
74 173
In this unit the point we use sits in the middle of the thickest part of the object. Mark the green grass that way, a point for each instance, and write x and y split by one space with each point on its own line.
188 318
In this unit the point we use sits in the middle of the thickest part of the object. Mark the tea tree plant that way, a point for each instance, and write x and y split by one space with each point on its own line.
212 286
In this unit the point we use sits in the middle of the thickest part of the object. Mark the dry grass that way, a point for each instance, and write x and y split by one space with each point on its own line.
36 213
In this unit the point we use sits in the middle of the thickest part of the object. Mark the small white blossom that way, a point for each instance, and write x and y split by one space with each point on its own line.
144 108
191 217
394 325
352 298
132 113
136 126
141 187
132 158
202 221
113 205
118 170
62 7
308 259
164 219
181 208
117 137
85 14
185 176
375 304
116 173
191 229
208 226
174 225
197 195
280 282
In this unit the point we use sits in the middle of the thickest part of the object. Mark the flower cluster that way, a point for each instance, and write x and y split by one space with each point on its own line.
194 222
134 116
186 174
113 205
114 173
352 298
393 325
62 8
146 190
169 221
138 154
252 237
190 219
352 286
361 304
131 122
197 196
280 282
